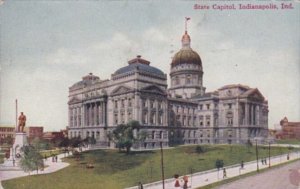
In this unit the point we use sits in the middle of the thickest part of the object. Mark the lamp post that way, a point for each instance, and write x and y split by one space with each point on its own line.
269 154
162 165
256 150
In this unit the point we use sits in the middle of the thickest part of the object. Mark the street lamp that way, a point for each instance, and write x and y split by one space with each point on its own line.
162 165
256 150
269 154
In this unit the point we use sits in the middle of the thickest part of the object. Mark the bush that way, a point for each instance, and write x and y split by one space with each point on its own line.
219 163
200 149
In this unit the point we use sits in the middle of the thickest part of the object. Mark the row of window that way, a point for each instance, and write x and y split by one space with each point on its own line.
151 118
152 103
122 119
92 134
188 80
121 103
192 121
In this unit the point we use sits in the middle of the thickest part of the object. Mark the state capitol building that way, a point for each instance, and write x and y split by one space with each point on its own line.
184 113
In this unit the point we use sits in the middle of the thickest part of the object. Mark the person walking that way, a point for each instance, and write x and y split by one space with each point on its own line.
185 182
224 173
242 165
177 184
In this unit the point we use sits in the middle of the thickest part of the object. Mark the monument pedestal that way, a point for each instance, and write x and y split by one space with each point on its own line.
15 151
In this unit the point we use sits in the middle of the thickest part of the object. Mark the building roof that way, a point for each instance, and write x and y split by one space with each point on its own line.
141 65
186 55
86 80
234 86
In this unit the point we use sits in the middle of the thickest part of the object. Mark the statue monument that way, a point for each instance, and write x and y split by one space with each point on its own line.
20 141
22 122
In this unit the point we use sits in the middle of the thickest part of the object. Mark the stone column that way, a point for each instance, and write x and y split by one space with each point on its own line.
258 116
149 111
255 115
246 114
90 114
126 118
156 113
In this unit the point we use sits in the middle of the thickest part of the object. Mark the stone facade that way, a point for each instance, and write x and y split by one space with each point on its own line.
182 114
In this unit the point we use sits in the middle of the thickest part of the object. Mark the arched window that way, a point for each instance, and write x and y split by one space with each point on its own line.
188 79
177 81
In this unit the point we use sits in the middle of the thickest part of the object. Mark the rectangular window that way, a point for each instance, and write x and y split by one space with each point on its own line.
116 119
207 106
122 103
129 102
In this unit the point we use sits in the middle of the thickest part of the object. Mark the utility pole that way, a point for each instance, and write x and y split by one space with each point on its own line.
162 165
16 128
257 168
269 155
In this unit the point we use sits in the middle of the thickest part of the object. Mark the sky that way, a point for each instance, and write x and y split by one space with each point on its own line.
46 46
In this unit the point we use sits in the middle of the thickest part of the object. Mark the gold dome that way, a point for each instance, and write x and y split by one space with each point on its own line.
186 55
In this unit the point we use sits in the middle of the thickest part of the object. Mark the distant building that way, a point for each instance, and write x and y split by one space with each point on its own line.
53 135
289 130
7 131
182 114
34 132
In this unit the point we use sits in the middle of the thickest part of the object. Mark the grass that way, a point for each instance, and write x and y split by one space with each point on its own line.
49 153
288 141
115 170
2 158
226 181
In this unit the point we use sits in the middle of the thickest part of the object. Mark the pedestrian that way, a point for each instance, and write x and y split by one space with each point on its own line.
177 184
141 185
242 165
185 182
266 161
56 159
52 158
262 161
288 157
224 173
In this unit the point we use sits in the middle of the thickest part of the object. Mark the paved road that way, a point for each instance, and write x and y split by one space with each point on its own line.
277 178
212 176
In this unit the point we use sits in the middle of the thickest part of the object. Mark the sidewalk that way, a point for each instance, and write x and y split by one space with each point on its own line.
211 176
6 174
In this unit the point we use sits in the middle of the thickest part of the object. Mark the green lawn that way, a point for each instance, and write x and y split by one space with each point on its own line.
1 158
288 141
117 170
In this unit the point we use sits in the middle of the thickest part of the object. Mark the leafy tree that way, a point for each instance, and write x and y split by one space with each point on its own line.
75 142
7 140
200 149
90 140
31 159
125 135
219 163
64 143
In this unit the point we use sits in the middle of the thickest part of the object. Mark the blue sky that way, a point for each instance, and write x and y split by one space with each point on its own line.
46 46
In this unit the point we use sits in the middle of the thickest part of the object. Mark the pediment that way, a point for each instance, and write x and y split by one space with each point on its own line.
154 89
254 94
74 100
121 90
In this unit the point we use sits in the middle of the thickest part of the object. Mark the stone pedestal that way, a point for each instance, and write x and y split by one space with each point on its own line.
15 151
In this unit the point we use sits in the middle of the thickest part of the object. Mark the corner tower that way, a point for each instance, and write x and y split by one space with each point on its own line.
186 71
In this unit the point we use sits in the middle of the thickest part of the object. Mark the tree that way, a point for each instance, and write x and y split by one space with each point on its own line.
31 159
219 164
125 135
75 142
